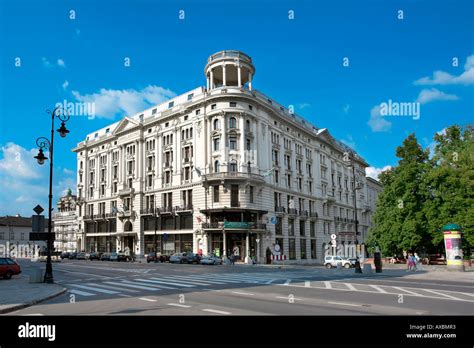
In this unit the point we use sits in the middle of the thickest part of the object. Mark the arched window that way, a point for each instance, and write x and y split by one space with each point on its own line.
216 124
232 122
217 167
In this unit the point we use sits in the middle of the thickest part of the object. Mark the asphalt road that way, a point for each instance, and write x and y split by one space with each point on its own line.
103 287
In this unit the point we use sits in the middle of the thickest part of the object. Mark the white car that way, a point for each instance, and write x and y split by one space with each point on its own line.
332 261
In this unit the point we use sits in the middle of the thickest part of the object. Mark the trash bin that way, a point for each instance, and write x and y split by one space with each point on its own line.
36 275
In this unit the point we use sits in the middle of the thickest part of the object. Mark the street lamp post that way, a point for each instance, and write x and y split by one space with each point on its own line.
44 143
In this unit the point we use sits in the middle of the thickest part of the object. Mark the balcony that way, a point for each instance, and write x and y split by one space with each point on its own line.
329 197
313 214
111 215
126 213
87 217
167 164
303 213
279 209
166 210
99 216
126 192
187 160
184 208
235 176
147 211
292 211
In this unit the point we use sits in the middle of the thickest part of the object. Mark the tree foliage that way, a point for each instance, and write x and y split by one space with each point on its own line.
422 194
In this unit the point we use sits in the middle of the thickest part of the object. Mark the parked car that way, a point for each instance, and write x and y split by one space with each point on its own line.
8 267
178 258
211 260
94 256
156 257
81 256
65 255
105 257
73 256
124 257
192 258
331 261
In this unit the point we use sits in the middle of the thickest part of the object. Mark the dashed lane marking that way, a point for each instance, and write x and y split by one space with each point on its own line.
216 311
179 305
243 293
146 299
345 304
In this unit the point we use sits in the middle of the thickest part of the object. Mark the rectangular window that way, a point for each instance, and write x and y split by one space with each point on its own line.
233 143
278 226
232 104
190 96
216 144
313 248
215 194
251 194
291 227
312 229
303 248
302 228
170 104
292 249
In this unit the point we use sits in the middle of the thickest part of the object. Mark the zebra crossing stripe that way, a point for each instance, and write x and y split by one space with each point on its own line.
270 281
350 286
379 289
82 293
328 285
442 294
287 282
109 292
132 285
178 278
112 287
199 279
407 291
307 284
160 281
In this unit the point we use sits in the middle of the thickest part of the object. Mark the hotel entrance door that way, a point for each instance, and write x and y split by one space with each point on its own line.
236 245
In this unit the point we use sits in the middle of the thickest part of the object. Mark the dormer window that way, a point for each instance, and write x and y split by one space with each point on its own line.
170 104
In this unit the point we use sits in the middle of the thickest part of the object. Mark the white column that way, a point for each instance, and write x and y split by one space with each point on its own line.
224 78
250 81
212 79
247 243
207 80
239 76
224 251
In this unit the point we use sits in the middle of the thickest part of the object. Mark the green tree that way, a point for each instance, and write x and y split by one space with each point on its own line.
399 221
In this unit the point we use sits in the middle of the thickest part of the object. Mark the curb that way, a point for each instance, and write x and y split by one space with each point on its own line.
31 303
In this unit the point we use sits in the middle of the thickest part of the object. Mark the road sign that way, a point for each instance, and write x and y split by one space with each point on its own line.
41 236
37 223
38 209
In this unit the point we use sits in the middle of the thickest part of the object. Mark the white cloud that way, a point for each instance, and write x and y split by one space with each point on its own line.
346 108
65 84
374 172
61 63
18 162
304 105
25 183
68 171
46 62
433 94
444 78
110 102
376 122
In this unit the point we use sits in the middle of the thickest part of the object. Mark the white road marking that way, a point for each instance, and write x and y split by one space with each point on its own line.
82 293
243 293
196 279
468 294
345 304
216 311
188 281
147 299
112 287
132 285
379 289
34 314
287 282
160 280
287 298
350 286
123 295
154 283
179 305
442 294
270 281
109 292
328 285
307 284
407 291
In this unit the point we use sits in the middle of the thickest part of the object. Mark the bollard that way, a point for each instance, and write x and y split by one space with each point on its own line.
378 262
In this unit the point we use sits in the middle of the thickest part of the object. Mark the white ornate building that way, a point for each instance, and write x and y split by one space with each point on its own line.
222 168
66 224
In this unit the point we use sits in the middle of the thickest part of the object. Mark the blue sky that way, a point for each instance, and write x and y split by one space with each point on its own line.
299 62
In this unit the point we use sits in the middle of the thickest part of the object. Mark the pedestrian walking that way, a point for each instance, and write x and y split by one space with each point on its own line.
409 262
232 259
418 262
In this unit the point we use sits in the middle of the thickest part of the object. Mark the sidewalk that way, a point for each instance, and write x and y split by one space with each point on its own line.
18 293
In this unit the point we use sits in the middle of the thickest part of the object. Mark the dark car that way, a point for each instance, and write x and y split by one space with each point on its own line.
157 257
105 257
81 256
8 267
65 255
94 256
72 256
191 258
